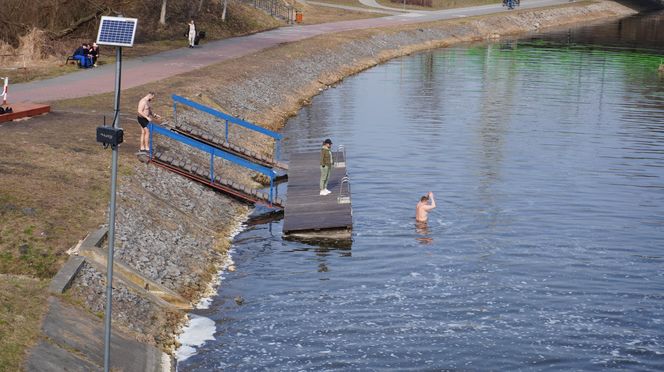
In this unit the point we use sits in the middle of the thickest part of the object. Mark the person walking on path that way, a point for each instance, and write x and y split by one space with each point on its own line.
325 166
192 33
145 116
426 204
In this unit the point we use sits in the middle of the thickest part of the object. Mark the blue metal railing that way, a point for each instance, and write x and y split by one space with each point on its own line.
213 152
229 119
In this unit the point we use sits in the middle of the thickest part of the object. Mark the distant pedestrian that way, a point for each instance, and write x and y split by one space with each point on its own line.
325 166
422 209
145 116
192 33
94 53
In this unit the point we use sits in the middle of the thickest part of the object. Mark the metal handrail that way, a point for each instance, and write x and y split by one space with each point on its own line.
341 149
276 8
213 152
229 119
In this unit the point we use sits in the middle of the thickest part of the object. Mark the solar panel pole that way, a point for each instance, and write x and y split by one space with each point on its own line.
111 218
117 31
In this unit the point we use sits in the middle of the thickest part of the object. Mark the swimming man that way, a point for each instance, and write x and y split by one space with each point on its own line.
426 204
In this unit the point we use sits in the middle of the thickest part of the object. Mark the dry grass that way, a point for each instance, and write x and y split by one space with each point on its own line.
22 306
314 14
54 182
354 3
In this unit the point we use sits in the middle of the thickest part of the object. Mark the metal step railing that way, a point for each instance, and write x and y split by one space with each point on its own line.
344 197
339 163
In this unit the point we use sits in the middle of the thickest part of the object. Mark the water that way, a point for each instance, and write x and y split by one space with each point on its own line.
546 157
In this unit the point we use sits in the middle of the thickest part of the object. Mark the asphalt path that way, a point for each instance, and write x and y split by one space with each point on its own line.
140 71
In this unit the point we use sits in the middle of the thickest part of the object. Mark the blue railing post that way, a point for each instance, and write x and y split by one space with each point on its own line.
227 131
211 166
150 125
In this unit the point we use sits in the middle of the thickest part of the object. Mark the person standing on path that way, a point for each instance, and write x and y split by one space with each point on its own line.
426 204
145 116
325 166
192 33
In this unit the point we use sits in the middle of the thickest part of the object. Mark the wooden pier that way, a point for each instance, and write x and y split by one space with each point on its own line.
310 215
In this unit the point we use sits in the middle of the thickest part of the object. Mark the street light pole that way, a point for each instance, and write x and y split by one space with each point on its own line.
111 217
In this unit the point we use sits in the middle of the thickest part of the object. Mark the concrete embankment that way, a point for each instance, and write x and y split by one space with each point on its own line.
174 233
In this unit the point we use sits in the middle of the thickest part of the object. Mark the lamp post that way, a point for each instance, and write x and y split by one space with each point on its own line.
119 32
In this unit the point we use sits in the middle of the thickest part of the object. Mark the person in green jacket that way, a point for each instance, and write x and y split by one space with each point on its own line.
325 166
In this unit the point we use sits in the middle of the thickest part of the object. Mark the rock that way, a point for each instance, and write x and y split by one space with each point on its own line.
29 211
23 249
239 300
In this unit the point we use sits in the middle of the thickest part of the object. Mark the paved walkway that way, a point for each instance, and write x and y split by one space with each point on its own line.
140 71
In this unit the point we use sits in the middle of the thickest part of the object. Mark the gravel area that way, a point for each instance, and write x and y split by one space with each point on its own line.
131 311
173 230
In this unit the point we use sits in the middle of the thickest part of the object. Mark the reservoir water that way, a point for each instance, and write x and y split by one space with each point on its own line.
546 158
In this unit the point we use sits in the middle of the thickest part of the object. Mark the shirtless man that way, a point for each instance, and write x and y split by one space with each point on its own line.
145 116
423 208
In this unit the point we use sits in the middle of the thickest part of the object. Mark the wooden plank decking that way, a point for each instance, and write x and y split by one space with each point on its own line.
308 212
24 110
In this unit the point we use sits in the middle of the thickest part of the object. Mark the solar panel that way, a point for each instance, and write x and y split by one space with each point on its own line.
117 31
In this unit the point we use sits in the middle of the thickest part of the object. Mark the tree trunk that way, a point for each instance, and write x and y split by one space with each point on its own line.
162 17
200 5
223 13
74 25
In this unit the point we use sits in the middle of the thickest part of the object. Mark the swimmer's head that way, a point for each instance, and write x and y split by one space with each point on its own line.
424 198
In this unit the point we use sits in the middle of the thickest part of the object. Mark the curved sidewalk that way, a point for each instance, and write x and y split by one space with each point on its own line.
140 71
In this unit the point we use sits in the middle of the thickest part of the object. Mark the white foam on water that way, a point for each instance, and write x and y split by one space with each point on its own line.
199 330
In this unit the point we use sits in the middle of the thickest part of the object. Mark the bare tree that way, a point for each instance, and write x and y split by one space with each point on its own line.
162 17
223 13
